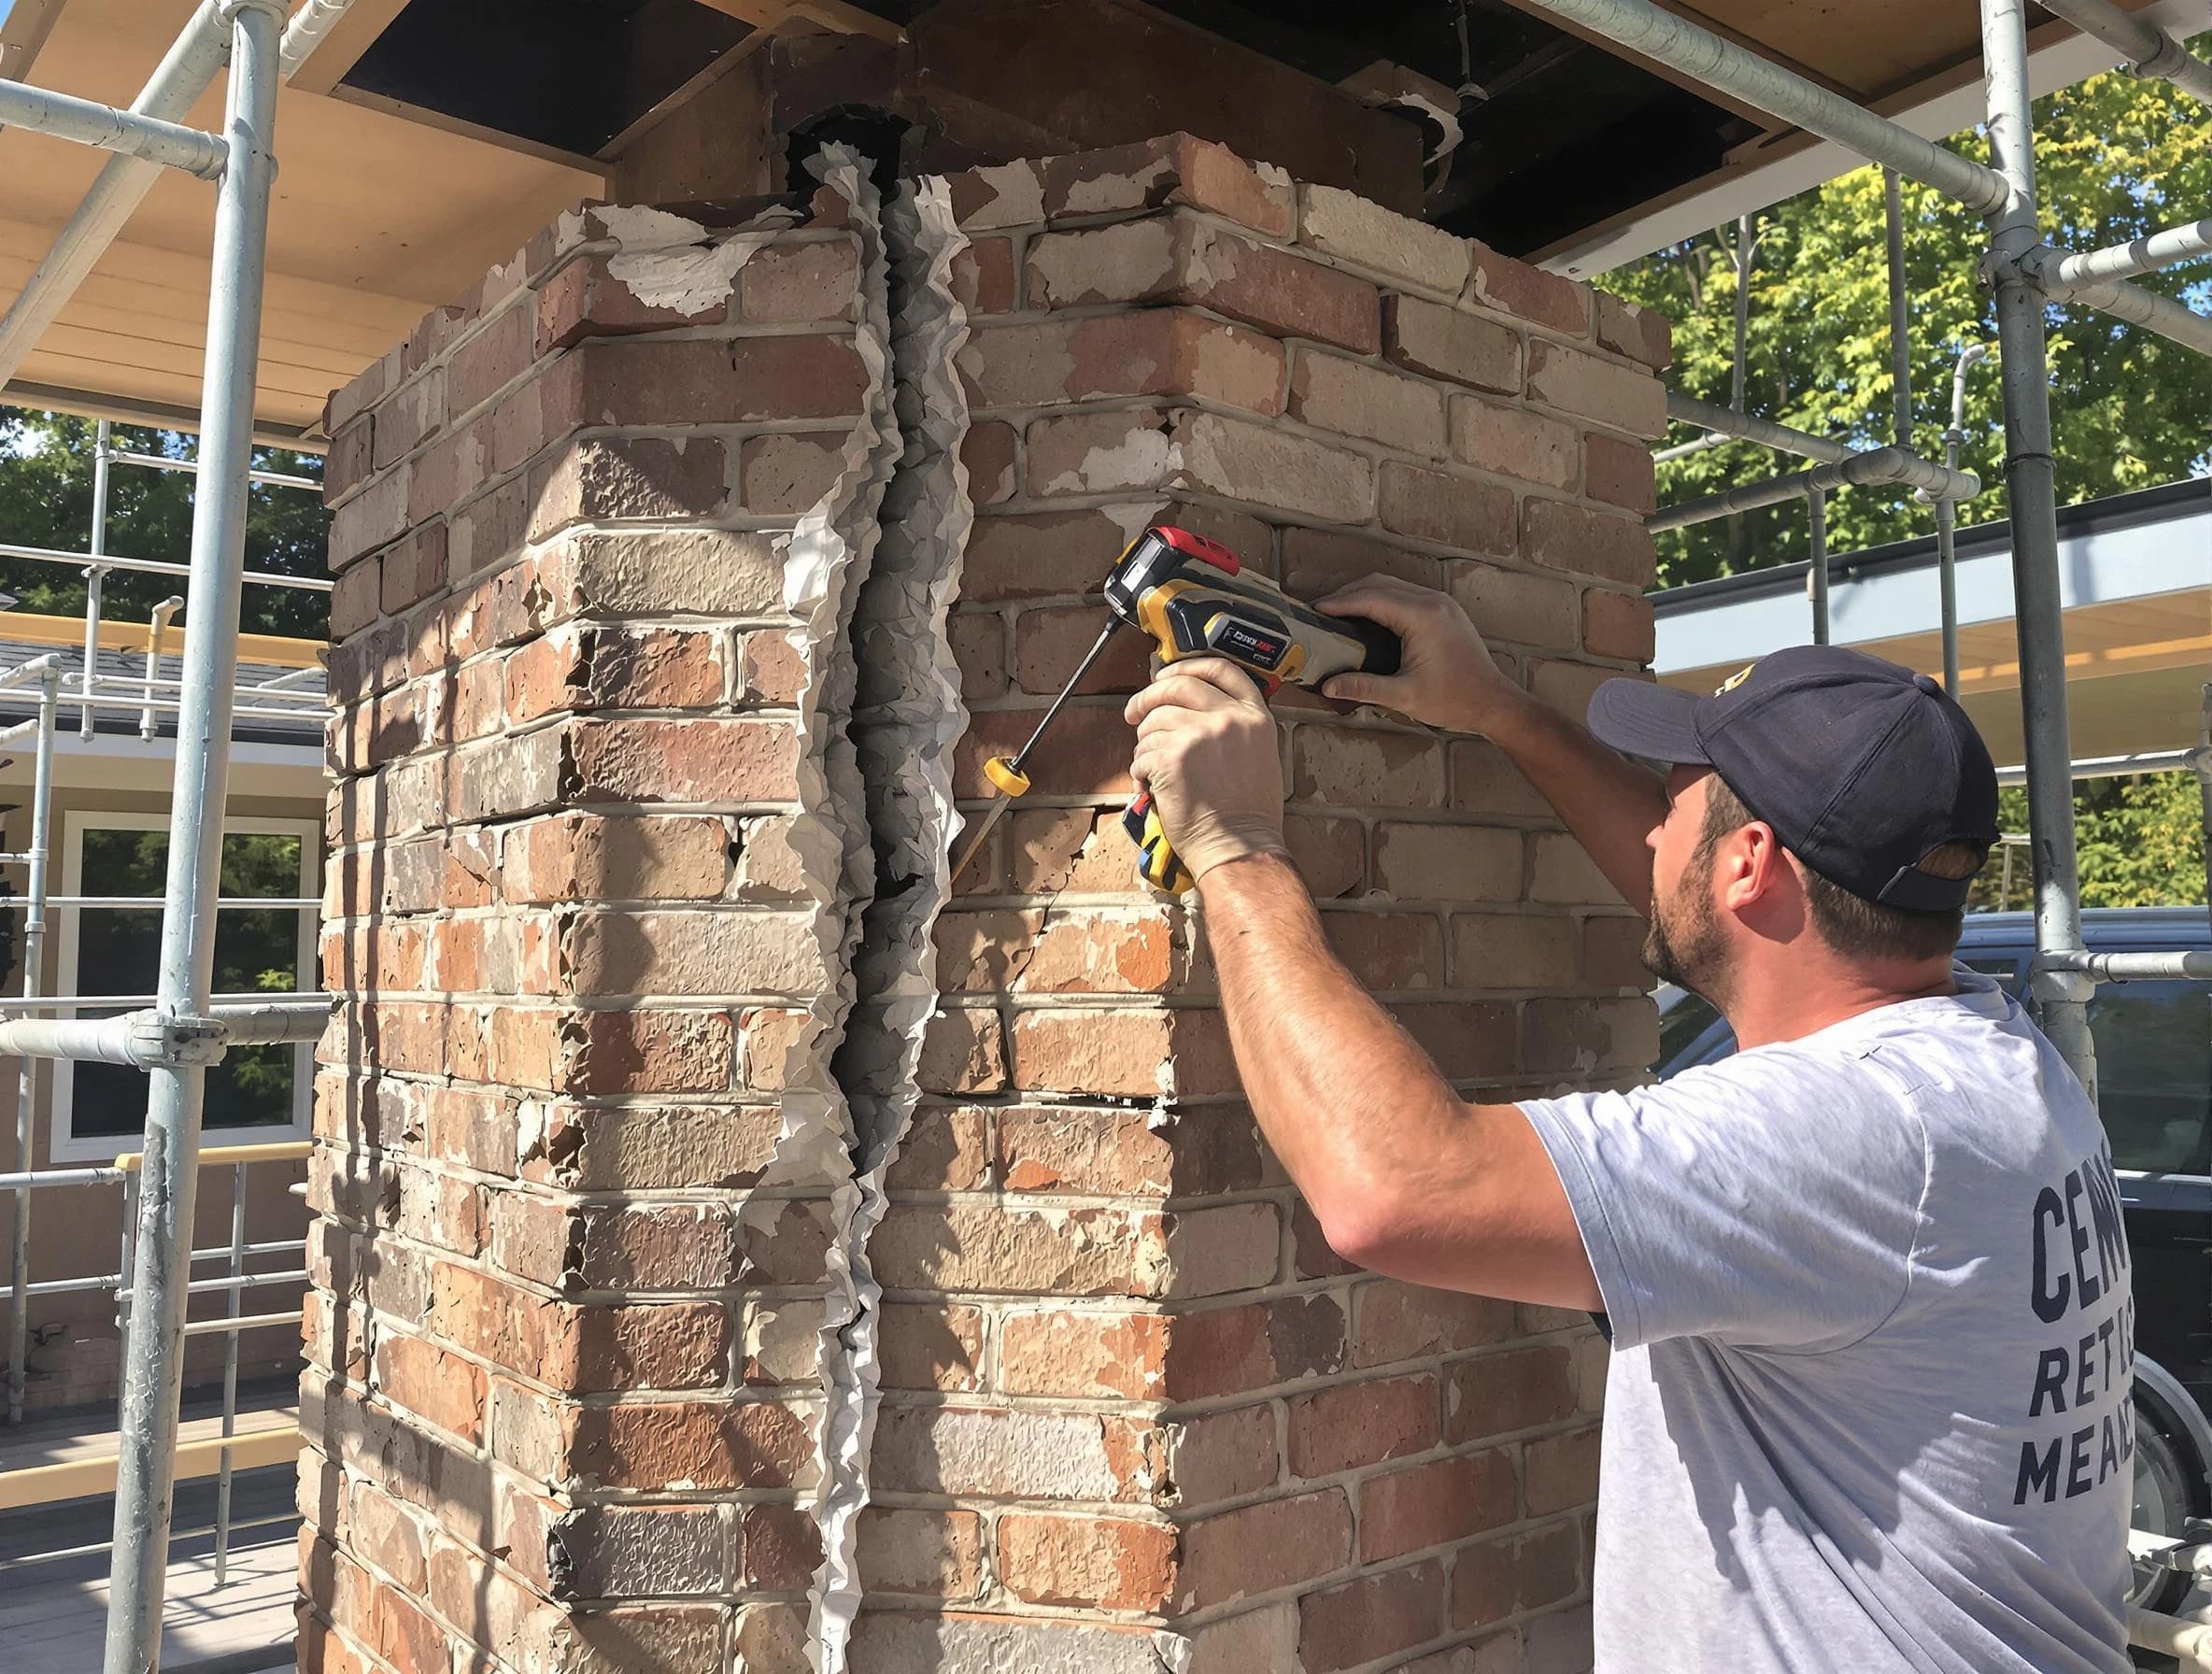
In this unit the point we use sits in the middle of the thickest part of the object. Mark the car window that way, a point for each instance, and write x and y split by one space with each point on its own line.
2004 967
2154 1074
1680 1024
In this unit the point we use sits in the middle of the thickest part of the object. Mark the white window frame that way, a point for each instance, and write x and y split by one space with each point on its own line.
64 1146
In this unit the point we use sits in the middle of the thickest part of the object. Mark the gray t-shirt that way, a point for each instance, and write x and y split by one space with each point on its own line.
1873 1336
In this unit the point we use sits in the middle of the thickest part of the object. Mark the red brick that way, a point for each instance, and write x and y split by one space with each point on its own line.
1091 745
983 276
787 474
1176 260
1441 341
1640 334
1154 351
987 454
1620 473
1397 1322
1050 643
1618 625
1276 1543
1452 511
937 1553
1271 468
419 1376
979 646
1612 952
1627 397
1345 1626
1175 168
1101 1563
650 1052
350 459
1091 1355
1360 400
1357 1424
1386 950
798 280
623 476
702 1444
1494 1394
685 760
1429 1505
1349 767
930 1345
1520 606
1317 561
500 353
1528 293
1567 537
1561 1470
1039 555
1515 442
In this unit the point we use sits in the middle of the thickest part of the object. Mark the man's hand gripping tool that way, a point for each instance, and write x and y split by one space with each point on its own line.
1193 598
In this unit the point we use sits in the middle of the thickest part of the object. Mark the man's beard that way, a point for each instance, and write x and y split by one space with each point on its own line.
1683 944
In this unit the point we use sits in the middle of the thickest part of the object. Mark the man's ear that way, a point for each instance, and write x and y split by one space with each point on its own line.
1750 866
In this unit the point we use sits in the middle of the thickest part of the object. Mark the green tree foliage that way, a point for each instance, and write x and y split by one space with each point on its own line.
2139 841
46 500
2117 158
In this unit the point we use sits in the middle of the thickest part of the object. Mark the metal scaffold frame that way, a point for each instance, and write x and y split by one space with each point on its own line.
185 1031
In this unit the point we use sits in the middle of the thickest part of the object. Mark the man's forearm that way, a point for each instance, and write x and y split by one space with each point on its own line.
1608 802
1351 1105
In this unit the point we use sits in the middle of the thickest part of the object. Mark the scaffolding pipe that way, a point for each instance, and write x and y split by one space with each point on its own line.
153 1352
1877 466
155 566
1946 514
2062 997
1688 409
1704 57
1893 202
230 1374
1745 245
2149 50
2122 301
103 454
153 1038
42 794
1815 571
2192 965
156 633
275 479
2147 254
64 116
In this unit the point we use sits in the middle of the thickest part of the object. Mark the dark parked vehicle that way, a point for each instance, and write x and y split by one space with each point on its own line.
2154 1073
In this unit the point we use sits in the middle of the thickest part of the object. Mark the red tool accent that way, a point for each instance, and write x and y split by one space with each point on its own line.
1198 546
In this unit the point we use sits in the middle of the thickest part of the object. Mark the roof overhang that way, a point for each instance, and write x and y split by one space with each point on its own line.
2135 582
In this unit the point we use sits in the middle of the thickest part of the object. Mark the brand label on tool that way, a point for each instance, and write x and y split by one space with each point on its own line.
1247 644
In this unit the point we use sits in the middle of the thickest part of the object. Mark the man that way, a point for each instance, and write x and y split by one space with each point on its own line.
1866 1280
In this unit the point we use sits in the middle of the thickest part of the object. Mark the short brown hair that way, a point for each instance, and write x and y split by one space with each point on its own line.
1854 927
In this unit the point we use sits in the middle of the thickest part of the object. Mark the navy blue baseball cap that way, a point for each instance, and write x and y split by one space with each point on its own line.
1863 768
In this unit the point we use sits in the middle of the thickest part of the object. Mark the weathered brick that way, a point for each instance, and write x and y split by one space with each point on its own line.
1107 1563
1362 767
1528 293
1641 333
1360 400
1569 537
1275 1543
1625 397
1619 473
936 1553
1513 441
1251 462
1452 511
1345 225
1441 341
1157 351
1357 1424
1394 1322
1618 625
1429 1505
1494 1394
1345 1626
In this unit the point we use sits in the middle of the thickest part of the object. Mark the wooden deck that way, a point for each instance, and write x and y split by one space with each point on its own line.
53 1616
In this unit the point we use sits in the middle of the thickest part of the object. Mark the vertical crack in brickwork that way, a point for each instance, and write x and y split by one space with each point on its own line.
907 717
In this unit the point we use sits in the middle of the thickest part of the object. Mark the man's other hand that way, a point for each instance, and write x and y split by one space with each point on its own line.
1446 676
1207 751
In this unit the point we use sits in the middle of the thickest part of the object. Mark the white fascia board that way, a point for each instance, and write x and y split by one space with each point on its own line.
2061 63
2096 566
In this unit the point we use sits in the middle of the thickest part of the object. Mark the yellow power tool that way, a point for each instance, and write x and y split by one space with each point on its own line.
1193 598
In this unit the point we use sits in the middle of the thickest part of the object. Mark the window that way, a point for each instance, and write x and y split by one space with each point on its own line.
2154 1074
256 1092
1683 1019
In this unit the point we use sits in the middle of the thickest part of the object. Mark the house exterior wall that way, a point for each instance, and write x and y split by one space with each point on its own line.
76 1231
589 926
